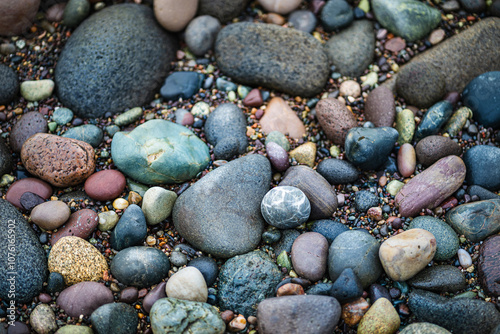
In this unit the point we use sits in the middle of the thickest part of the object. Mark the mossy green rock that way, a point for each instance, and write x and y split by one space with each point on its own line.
424 328
158 152
74 329
409 19
446 239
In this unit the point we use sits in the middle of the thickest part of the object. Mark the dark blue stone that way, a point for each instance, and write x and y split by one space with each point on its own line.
208 268
337 171
347 287
336 14
131 229
181 85
322 289
483 194
365 200
482 163
328 228
434 119
482 95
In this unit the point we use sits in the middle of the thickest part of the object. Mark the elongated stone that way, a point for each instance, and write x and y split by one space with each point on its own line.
434 119
457 121
405 124
489 265
429 188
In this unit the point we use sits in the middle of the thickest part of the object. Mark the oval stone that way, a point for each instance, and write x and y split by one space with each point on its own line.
277 156
63 162
405 124
118 318
380 108
84 298
337 171
407 160
88 133
434 119
382 317
285 207
187 284
422 328
50 215
335 119
446 239
30 123
156 293
489 265
482 166
80 224
280 117
481 95
432 148
157 204
174 15
105 185
442 278
429 188
309 255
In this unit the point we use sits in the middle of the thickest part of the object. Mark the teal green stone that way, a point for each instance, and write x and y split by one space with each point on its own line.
405 124
447 242
278 138
62 116
88 133
409 19
52 126
159 152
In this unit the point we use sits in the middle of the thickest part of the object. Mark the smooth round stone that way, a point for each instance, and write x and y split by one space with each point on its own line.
253 98
337 171
84 298
157 204
200 34
50 215
278 138
432 148
279 315
423 328
129 117
169 315
350 88
304 154
80 224
309 255
380 108
434 119
335 119
280 6
181 84
382 317
464 258
407 160
488 268
88 133
347 287
17 16
118 318
407 253
405 124
223 10
75 329
108 220
439 279
277 156
77 260
30 123
140 266
129 295
336 14
482 166
207 266
303 20
43 319
183 117
187 284
55 282
55 12
271 236
75 12
156 293
105 185
131 229
330 229
365 200
279 116
9 87
357 250
62 116
481 95
37 90
174 15
378 291
178 259
446 239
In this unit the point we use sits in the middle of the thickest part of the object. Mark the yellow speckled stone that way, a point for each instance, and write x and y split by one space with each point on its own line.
76 260
381 318
305 154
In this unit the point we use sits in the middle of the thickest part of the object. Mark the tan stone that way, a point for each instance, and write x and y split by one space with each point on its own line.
187 284
305 154
174 15
280 117
280 6
350 88
404 255
381 318
50 215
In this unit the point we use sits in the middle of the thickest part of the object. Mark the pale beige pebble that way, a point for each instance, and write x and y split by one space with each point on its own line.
350 88
50 215
43 319
237 324
464 258
174 15
187 284
437 36
107 220
274 19
280 6
305 154
407 160
404 255
36 90
120 204
279 116
381 318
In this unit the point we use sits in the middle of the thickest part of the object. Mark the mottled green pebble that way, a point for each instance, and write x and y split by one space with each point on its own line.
6 180
405 124
457 121
283 260
243 91
231 96
107 220
62 116
210 69
200 109
137 187
466 294
394 187
334 151
112 129
371 79
271 236
129 117
278 138
52 126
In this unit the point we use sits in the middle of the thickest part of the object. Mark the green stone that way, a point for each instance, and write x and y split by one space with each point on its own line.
159 152
37 90
231 96
394 187
74 329
6 180
75 12
283 260
107 220
88 133
447 242
278 138
466 294
129 117
364 5
52 126
371 79
457 121
137 187
200 109
405 124
62 116
334 151
434 119
243 91
112 129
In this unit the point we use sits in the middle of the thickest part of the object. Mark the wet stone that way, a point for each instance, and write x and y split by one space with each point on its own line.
285 207
441 278
347 287
446 239
337 171
488 265
208 268
118 318
434 119
482 163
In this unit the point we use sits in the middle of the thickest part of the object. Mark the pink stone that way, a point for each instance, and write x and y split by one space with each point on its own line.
80 224
280 117
31 184
105 185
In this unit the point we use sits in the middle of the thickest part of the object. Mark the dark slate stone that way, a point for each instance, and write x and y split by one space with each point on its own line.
128 50
272 56
22 255
118 318
459 315
246 280
473 6
88 133
130 230
225 129
181 85
378 291
482 163
303 20
442 278
336 14
338 171
286 241
320 289
483 194
55 283
352 50
369 148
365 200
488 268
140 266
330 229
434 119
271 236
208 268
224 10
200 34
9 84
482 95
5 158
447 242
347 287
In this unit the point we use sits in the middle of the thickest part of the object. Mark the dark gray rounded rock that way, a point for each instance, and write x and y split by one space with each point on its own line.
439 279
9 85
378 291
473 6
5 158
357 250
88 133
271 56
225 129
483 194
30 123
458 315
21 253
298 314
338 171
482 95
246 280
347 287
130 230
320 289
352 50
286 241
75 12
55 283
140 266
336 14
224 10
330 229
208 268
365 200
447 242
434 119
303 20
482 163
129 50
181 84
285 207
200 34
211 223
118 318
432 148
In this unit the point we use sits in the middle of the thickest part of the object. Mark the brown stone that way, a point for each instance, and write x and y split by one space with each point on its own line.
174 15
80 224
29 124
253 98
105 185
352 312
489 265
280 6
432 148
305 154
290 289
84 298
407 160
280 117
17 16
29 184
129 295
429 188
50 215
395 44
380 108
335 119
309 255
274 18
63 162
157 293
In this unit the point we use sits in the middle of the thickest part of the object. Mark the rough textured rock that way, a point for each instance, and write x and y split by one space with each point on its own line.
382 317
118 318
9 87
103 44
84 298
335 119
266 55
442 278
60 161
482 166
380 108
488 265
30 123
80 224
17 16
432 148
423 328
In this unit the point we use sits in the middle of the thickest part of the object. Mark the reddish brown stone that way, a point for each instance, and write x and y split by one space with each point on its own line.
105 185
84 298
395 44
489 265
432 148
63 162
280 117
80 224
253 98
380 108
335 119
407 160
309 255
353 312
17 16
29 184
290 289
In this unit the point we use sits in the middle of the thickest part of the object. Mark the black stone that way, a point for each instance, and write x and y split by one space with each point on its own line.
482 163
29 200
482 95
55 283
6 162
9 84
271 236
347 287
224 10
336 14
117 318
483 194
378 291
365 200
328 228
473 6
434 119
442 278
131 229
337 171
320 289
181 85
208 268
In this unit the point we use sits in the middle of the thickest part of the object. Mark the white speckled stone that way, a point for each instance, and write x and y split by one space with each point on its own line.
285 207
